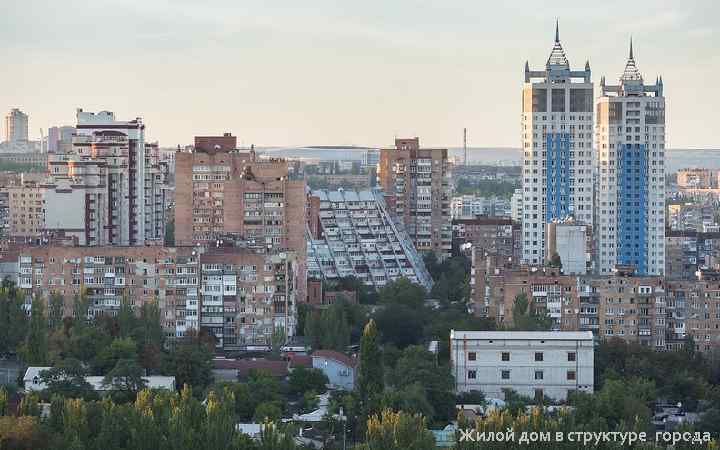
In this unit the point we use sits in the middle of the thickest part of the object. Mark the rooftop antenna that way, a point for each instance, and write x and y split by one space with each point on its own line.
465 144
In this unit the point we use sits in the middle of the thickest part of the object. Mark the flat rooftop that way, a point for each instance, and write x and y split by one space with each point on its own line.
522 335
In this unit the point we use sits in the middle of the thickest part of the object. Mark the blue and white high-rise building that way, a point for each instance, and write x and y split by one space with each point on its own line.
557 123
630 141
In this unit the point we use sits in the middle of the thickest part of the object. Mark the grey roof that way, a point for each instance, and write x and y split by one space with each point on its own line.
522 335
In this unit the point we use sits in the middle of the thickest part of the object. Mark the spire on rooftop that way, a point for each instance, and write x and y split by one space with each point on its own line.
557 55
631 72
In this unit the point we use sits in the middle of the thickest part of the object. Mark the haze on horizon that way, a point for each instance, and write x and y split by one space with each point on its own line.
324 72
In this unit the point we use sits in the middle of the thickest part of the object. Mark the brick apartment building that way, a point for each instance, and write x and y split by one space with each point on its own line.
235 293
637 309
416 182
496 235
221 191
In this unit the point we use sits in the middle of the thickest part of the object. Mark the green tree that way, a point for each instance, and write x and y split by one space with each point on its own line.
277 340
310 402
76 430
30 405
3 401
267 411
274 438
125 380
35 350
119 349
56 310
303 380
22 433
328 329
403 292
13 320
370 377
524 320
150 336
80 308
190 361
220 429
336 331
401 325
411 399
67 379
126 320
397 431
555 261
418 367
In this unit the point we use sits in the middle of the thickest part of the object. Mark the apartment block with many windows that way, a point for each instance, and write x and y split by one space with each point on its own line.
630 141
557 123
416 182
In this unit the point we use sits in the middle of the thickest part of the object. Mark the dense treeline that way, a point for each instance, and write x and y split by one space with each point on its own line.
485 188
131 344
154 421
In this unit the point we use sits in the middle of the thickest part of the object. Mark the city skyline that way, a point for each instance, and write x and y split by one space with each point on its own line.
284 75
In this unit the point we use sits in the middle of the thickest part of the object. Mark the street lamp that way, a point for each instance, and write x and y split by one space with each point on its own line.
343 418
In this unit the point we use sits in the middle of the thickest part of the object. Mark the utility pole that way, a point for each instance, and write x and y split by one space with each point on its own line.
465 145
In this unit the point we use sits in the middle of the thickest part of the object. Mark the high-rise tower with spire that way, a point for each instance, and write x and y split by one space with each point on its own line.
630 145
557 121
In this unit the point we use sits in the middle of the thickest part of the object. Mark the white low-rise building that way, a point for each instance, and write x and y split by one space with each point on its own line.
532 363
33 381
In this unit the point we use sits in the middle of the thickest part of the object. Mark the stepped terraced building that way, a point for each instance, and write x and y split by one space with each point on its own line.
351 233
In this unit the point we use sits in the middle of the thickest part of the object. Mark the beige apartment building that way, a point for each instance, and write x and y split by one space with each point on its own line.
26 209
417 189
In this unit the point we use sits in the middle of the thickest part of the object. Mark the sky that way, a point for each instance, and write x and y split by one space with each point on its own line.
339 72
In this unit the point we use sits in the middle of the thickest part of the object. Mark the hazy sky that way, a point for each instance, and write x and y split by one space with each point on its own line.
301 72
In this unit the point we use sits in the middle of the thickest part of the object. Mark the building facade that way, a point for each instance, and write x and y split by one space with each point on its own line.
352 234
630 136
535 364
557 122
222 193
496 235
16 126
106 191
416 182
696 178
236 294
25 209
570 242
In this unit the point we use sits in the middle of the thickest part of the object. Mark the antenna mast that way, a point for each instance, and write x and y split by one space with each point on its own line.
465 144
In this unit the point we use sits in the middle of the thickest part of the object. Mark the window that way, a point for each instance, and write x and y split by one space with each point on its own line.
505 375
571 375
472 356
472 374
538 374
506 356
538 357
571 356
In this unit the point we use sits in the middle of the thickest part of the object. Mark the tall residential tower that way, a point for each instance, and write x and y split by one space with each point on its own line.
417 188
631 169
16 126
557 123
